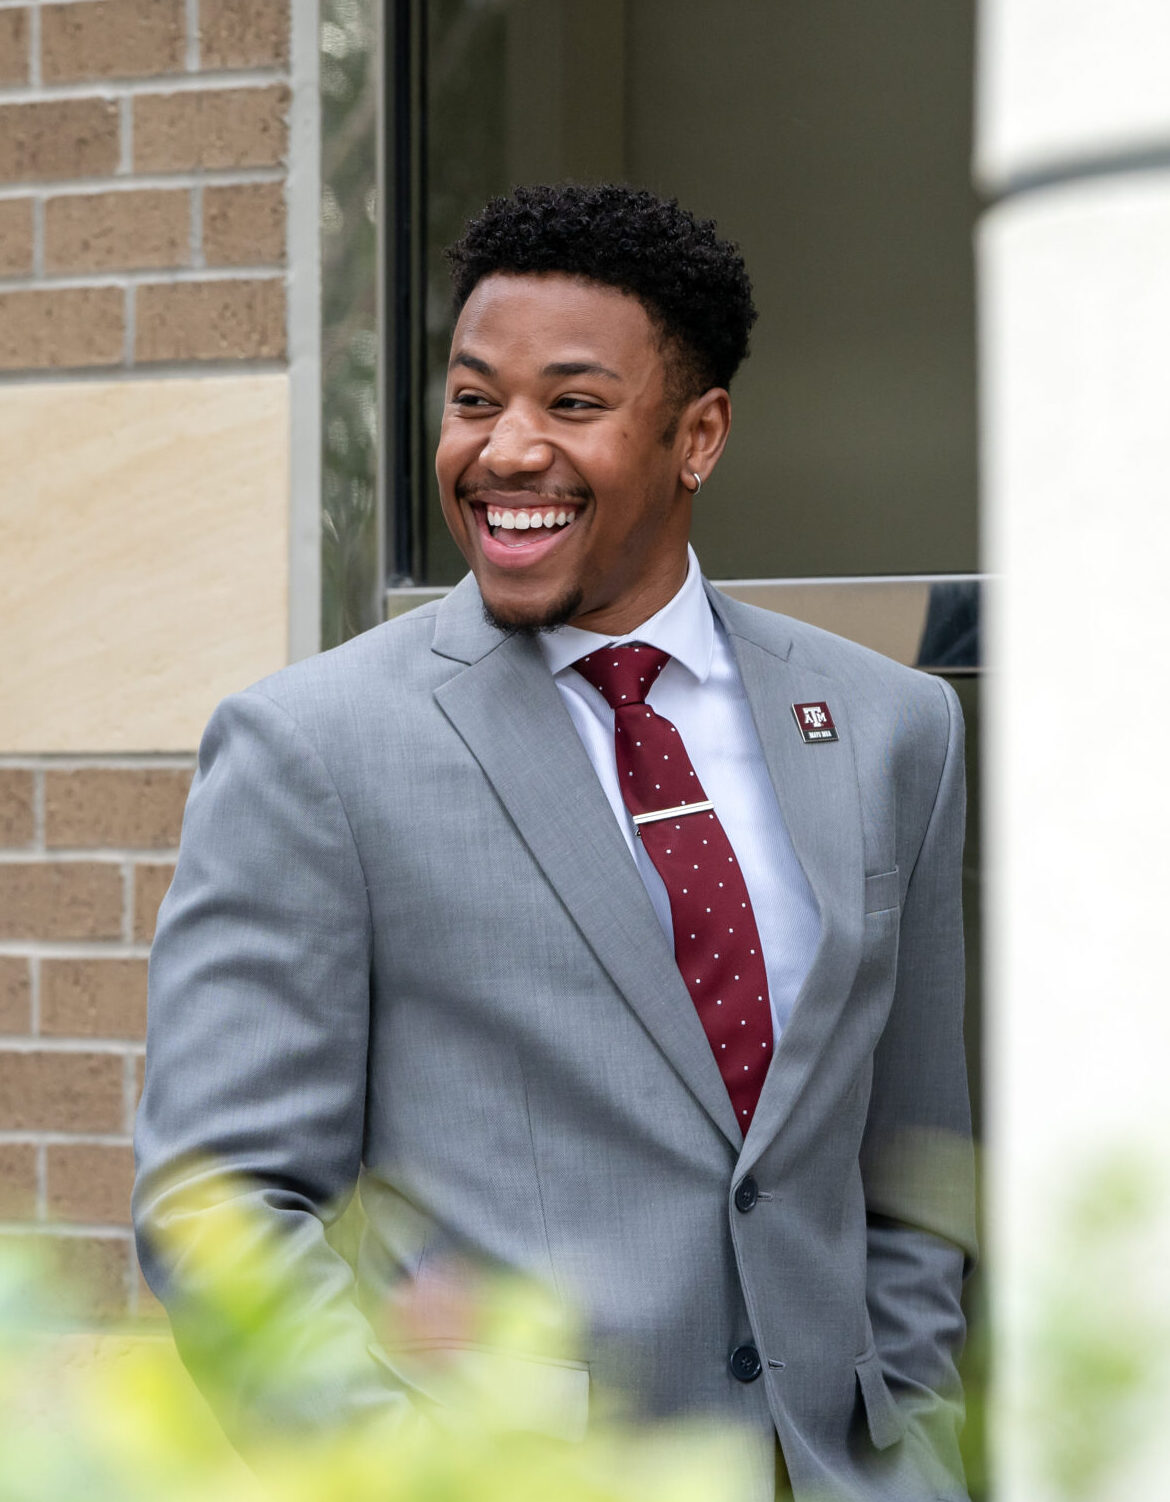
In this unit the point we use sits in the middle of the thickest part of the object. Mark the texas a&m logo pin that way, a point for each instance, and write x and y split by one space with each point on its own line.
814 722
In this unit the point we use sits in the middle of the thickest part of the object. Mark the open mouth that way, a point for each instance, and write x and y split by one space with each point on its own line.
521 535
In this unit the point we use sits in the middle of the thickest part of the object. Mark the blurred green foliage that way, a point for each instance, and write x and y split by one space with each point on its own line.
115 1416
1098 1345
117 1419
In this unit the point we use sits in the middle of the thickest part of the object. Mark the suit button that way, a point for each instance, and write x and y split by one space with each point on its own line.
745 1364
747 1192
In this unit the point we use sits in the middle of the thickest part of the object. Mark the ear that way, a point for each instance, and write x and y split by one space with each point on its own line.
703 430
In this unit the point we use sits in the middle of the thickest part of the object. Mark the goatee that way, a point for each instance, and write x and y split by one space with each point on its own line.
533 623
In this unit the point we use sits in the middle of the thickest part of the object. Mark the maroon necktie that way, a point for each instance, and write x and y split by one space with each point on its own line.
716 945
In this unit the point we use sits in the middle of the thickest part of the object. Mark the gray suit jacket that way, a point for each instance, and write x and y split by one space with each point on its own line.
406 943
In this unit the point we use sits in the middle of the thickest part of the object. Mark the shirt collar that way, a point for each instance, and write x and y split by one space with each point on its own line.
684 627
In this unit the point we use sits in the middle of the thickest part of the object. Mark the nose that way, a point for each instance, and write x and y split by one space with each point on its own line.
517 443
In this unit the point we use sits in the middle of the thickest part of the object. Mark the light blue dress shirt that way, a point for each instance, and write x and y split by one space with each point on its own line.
701 693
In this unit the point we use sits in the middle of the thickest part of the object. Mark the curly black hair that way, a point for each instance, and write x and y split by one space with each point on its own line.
693 285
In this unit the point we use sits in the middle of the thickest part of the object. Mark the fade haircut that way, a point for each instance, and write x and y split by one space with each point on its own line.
693 285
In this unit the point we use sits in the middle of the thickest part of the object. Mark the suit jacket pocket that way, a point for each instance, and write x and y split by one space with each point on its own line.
508 1390
881 891
886 1424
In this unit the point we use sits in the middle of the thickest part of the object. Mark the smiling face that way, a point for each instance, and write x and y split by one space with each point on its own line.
557 478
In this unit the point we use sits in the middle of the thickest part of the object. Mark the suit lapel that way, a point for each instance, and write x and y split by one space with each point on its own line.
816 787
507 709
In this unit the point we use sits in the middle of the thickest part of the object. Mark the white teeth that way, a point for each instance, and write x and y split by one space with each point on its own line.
521 521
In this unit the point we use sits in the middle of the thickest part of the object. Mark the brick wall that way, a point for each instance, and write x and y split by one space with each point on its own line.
143 154
86 854
142 151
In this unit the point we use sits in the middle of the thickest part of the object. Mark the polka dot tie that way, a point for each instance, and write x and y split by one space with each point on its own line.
716 945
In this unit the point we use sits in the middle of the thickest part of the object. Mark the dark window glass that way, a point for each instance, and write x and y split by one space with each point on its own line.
833 143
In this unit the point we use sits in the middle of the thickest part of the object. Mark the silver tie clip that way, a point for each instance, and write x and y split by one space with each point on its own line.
670 813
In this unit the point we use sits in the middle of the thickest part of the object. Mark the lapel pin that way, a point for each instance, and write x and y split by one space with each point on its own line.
815 723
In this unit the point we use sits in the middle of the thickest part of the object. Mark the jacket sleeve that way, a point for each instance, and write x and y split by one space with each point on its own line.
917 1159
255 1069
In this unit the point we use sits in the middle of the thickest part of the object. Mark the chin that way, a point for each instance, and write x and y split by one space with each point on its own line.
521 618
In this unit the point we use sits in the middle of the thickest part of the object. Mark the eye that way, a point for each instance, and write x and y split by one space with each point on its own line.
472 400
576 404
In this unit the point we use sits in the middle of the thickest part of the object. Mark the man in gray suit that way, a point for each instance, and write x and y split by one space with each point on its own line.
598 926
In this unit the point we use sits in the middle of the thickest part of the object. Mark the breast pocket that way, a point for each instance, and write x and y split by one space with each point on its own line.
882 891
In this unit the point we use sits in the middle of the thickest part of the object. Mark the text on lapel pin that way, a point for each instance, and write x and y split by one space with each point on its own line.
815 723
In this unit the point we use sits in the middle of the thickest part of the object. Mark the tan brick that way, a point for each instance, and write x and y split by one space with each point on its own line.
16 806
241 320
58 138
140 807
16 235
18 1180
243 224
13 46
90 1183
112 39
60 900
210 128
117 231
15 1016
232 35
44 1091
150 887
93 998
139 1078
92 1271
61 328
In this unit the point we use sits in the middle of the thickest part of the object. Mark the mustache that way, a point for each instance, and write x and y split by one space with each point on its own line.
471 490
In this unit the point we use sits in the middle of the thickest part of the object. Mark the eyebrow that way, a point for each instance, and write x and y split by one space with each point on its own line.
481 367
558 368
579 367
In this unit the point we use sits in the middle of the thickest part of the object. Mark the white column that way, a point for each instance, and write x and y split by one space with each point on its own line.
1074 147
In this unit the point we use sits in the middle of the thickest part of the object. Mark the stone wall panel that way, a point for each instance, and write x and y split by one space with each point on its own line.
58 138
244 224
13 47
221 320
112 39
17 822
89 1182
93 998
115 807
244 36
62 328
60 1092
16 235
14 994
117 231
210 128
60 900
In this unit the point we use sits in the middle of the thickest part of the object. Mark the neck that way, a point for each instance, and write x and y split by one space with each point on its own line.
626 615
